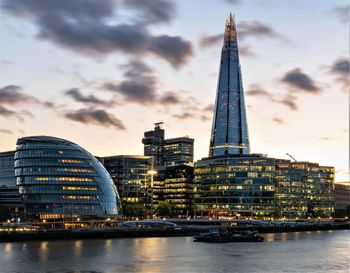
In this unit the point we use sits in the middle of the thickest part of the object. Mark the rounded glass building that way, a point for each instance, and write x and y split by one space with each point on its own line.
57 179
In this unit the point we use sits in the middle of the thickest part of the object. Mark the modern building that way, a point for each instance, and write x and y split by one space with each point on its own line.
130 176
7 171
178 151
342 199
234 186
303 189
233 182
154 144
11 205
178 189
59 179
229 134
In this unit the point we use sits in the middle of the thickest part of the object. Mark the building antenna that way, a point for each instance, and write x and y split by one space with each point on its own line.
291 157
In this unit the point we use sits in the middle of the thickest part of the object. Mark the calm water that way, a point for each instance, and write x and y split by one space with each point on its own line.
286 252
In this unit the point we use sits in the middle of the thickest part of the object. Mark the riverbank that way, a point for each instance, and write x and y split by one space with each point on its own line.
136 232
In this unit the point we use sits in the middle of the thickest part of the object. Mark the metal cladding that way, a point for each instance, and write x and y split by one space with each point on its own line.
229 135
57 178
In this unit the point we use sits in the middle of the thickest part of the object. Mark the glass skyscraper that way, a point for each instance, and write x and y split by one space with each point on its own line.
229 135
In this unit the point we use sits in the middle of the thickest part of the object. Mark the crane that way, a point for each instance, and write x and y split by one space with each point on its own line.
291 157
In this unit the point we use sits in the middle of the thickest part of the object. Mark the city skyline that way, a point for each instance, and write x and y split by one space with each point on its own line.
103 93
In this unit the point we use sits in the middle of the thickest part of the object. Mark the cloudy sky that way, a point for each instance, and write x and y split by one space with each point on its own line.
99 73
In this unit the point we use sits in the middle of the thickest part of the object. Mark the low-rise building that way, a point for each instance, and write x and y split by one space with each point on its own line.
342 199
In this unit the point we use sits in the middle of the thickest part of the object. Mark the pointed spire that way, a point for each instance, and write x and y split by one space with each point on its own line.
230 27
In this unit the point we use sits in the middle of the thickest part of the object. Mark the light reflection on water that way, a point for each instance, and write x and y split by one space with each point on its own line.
281 252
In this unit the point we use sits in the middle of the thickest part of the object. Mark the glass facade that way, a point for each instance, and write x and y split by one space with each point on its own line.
129 174
7 171
304 189
229 135
57 178
154 144
178 189
234 186
178 151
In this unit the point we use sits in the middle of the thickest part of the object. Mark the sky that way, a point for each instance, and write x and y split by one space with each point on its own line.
100 73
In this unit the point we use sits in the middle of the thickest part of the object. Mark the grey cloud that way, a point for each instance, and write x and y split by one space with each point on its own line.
11 94
97 117
89 99
341 70
209 108
170 98
210 40
296 78
256 90
6 112
5 131
278 120
154 11
342 13
139 84
81 27
256 29
287 100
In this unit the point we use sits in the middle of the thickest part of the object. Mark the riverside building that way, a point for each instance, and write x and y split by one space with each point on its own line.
130 175
57 179
232 182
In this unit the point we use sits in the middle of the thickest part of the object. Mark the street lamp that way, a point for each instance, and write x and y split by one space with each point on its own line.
152 173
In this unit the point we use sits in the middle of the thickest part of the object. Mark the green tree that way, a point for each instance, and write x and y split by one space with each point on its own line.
135 210
164 209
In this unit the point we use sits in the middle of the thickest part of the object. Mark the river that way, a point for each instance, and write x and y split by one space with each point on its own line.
326 251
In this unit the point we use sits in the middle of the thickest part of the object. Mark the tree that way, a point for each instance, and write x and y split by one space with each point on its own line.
135 210
164 209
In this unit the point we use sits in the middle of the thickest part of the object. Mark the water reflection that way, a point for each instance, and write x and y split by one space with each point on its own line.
299 252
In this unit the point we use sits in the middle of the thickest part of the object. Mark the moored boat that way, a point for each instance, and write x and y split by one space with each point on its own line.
224 236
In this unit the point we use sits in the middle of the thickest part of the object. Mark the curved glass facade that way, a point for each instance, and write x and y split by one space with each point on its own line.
57 178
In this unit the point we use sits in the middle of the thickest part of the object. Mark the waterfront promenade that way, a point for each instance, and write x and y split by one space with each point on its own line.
182 228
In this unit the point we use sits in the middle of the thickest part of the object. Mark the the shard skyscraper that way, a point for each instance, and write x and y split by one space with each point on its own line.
229 135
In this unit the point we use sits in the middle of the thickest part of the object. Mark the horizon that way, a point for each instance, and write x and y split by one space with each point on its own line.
87 85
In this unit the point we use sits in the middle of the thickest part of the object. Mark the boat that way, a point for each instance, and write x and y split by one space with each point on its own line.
224 236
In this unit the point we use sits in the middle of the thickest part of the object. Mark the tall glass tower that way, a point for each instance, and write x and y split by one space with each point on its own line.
229 135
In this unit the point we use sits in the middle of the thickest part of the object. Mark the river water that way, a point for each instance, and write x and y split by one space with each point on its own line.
326 251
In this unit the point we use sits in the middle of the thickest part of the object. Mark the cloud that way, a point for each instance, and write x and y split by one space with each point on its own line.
84 27
256 90
210 40
11 94
278 120
256 29
233 1
155 11
139 85
89 99
97 117
296 78
341 69
5 131
170 98
342 13
6 112
287 100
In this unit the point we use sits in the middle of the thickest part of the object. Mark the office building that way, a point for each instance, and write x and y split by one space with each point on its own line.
303 189
229 134
130 176
178 189
154 144
59 179
7 170
178 151
234 186
342 199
